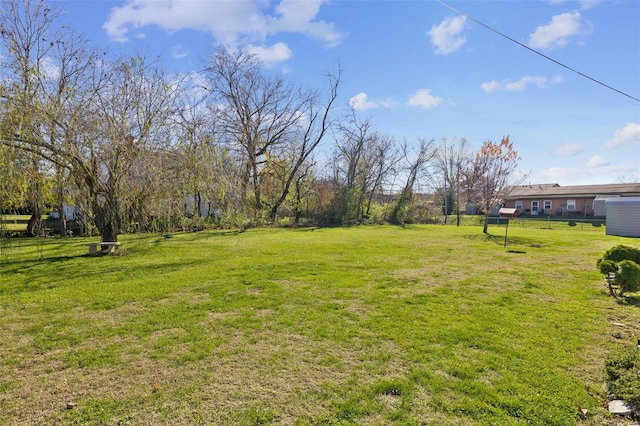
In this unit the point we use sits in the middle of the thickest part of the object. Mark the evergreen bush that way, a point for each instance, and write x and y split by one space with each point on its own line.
622 252
628 276
624 262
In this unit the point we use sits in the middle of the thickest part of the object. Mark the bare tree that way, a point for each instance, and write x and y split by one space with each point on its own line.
258 112
490 174
302 190
415 168
310 133
386 156
450 161
363 161
194 148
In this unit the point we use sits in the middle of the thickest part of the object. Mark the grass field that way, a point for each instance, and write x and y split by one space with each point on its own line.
367 325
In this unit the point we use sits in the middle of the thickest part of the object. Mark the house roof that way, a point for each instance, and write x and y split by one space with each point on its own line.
555 190
508 211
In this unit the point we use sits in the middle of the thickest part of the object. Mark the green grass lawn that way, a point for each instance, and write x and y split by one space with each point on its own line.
367 325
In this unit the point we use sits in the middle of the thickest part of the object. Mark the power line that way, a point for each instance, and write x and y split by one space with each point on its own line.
536 52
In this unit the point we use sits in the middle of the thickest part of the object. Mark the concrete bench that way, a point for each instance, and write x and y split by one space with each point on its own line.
105 247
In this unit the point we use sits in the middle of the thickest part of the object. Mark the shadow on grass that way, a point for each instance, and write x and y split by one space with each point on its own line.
499 239
43 260
39 277
200 235
629 300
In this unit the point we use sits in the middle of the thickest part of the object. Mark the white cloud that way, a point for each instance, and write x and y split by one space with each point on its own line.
598 161
584 175
584 4
588 4
567 150
446 36
278 52
557 32
228 21
49 68
520 85
178 52
423 98
298 16
628 135
388 103
360 102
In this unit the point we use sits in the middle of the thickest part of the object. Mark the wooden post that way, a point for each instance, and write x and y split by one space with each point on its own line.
506 229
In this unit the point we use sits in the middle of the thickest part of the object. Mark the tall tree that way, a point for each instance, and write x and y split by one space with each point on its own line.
490 175
195 147
363 161
66 95
415 168
28 33
109 119
450 161
258 112
129 118
309 133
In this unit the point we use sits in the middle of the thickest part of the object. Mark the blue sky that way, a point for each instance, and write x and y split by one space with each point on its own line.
418 69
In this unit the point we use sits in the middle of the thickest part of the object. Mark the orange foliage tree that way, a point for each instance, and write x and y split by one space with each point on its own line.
490 175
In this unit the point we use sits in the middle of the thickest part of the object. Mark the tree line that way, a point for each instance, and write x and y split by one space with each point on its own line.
136 148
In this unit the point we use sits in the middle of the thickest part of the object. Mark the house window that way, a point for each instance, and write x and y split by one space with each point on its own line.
519 205
571 205
547 205
534 206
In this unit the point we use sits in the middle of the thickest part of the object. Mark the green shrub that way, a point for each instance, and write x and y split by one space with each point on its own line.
628 276
622 252
624 261
606 266
623 374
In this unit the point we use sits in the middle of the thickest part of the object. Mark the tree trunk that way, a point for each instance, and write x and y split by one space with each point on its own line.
297 214
198 201
486 223
106 220
257 189
63 220
61 216
106 227
34 226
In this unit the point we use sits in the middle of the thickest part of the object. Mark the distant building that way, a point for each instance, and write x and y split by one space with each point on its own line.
70 212
555 200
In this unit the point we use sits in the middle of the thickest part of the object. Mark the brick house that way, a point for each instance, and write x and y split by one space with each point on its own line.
555 200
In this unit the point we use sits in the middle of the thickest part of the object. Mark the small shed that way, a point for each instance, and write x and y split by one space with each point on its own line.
623 216
598 204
